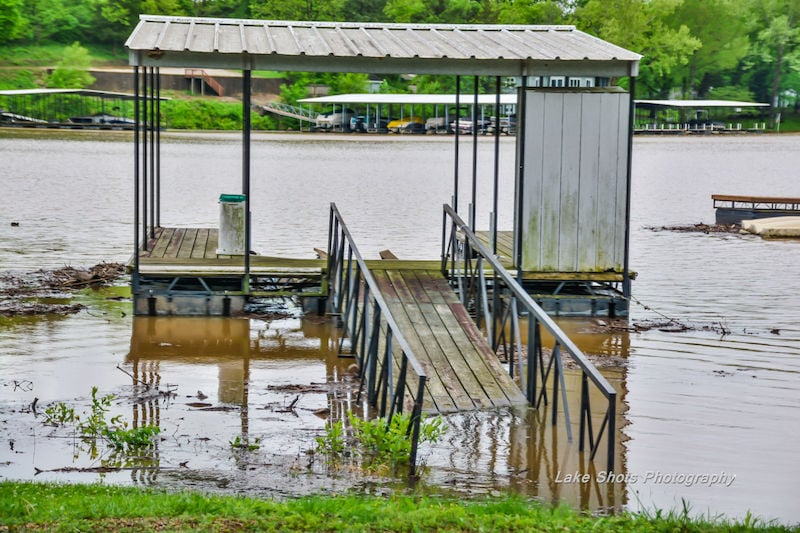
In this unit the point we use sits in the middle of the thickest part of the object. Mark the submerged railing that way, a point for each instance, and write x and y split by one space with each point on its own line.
388 368
497 301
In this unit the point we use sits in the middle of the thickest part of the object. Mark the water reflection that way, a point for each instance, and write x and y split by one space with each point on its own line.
250 361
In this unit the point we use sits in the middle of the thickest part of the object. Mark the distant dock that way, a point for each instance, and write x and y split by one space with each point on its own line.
732 209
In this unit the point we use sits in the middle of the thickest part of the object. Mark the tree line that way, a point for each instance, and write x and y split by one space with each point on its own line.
734 49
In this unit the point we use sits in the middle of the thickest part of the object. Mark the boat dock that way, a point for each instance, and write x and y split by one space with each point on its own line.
429 335
733 209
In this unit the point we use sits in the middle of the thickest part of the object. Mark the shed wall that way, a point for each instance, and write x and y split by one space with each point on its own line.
574 181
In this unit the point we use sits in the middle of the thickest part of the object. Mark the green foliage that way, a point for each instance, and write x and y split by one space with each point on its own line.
60 414
740 94
95 427
12 22
72 71
244 444
133 439
17 79
377 445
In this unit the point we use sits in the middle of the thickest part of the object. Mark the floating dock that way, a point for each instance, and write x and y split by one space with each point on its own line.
774 228
733 209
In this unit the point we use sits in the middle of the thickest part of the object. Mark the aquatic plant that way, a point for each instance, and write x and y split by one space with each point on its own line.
95 426
378 445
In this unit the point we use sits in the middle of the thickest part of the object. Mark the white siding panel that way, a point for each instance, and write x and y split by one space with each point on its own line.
589 162
570 183
607 223
574 181
550 204
532 180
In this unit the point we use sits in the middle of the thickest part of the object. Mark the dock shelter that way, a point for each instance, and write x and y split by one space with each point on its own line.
573 143
415 340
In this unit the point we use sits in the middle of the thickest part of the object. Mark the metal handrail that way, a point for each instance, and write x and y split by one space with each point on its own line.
470 277
355 297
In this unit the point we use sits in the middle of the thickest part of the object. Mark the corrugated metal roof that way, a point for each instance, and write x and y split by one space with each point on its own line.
370 47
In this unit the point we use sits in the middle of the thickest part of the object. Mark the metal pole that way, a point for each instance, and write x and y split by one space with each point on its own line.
474 155
153 127
458 117
520 188
144 158
158 147
496 163
626 280
246 172
135 177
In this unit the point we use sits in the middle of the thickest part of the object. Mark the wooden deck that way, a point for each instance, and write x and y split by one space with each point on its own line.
193 251
463 373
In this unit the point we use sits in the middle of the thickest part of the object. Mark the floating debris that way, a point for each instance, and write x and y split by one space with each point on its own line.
21 291
699 228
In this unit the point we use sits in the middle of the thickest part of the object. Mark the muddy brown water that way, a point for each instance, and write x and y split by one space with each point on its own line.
709 415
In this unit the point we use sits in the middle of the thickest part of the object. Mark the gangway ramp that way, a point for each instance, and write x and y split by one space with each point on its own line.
463 372
286 110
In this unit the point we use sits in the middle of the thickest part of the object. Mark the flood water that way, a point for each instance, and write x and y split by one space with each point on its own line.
718 400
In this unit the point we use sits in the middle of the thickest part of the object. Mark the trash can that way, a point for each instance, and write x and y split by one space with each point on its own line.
231 224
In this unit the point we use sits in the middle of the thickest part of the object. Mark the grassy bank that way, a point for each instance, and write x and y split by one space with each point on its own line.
52 507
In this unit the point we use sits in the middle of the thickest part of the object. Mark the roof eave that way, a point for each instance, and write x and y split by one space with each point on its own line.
385 65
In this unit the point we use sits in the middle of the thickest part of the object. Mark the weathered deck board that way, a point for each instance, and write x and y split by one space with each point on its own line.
463 374
443 389
199 248
486 368
164 238
187 243
174 243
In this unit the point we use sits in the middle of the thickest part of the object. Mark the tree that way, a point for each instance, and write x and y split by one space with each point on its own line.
531 12
722 27
776 43
12 21
642 26
316 10
72 72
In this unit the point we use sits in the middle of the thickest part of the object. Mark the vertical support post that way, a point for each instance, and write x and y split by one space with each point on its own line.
246 79
153 128
144 157
626 280
519 181
136 164
612 431
496 187
158 147
455 155
474 155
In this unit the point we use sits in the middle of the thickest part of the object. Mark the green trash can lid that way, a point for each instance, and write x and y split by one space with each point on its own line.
232 197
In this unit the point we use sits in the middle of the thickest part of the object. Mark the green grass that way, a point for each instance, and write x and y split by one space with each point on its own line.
47 55
54 507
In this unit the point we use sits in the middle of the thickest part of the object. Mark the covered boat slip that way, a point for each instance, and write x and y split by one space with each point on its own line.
413 335
523 52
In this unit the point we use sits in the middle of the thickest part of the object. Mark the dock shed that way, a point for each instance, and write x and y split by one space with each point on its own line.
572 196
